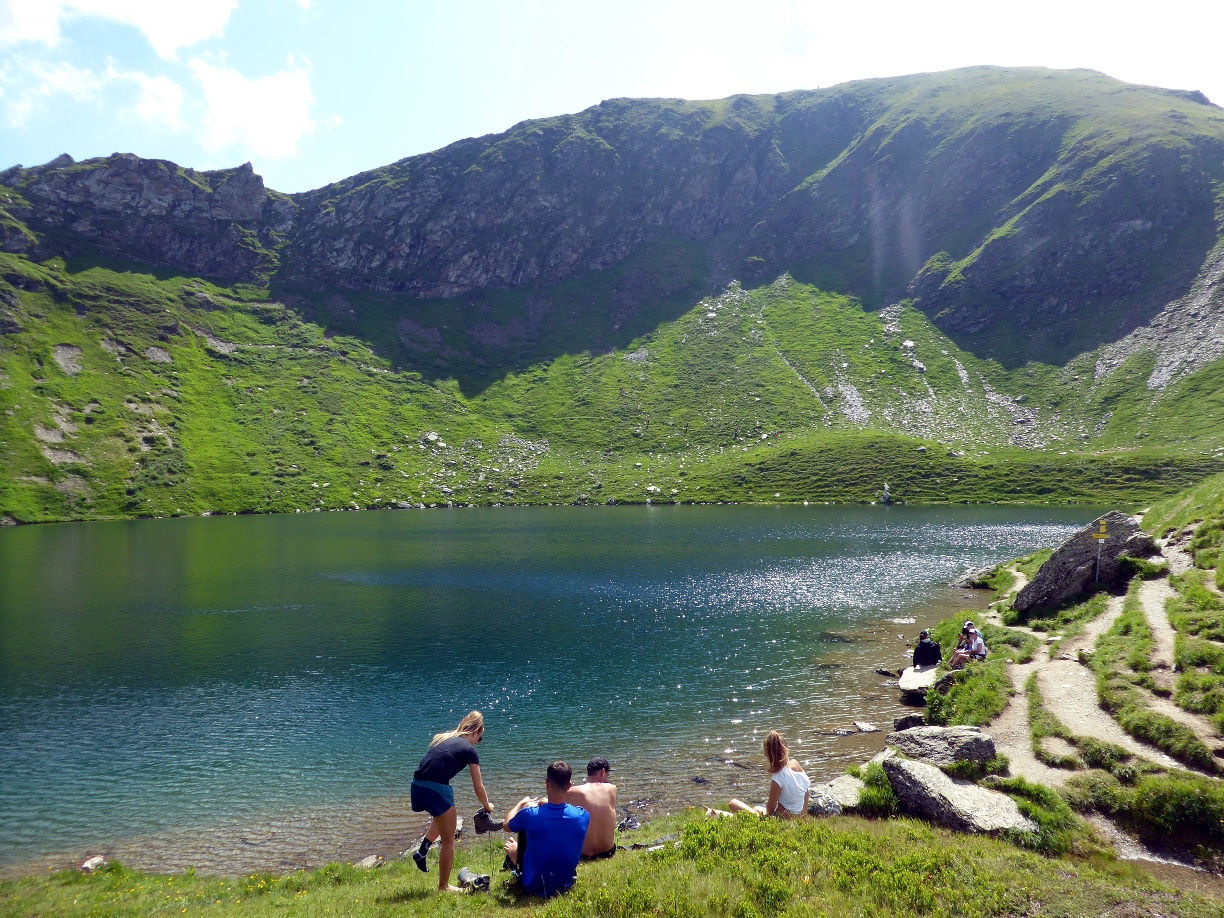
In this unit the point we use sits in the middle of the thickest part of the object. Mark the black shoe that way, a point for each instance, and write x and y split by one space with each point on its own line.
470 879
486 823
421 861
508 864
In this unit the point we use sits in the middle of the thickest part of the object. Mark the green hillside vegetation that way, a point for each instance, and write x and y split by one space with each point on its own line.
131 394
742 867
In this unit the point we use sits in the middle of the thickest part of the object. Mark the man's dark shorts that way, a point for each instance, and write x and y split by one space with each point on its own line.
431 797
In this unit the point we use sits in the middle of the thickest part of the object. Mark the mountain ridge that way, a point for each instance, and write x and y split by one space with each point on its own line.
986 195
945 282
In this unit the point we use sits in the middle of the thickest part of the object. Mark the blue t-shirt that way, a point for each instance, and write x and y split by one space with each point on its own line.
555 832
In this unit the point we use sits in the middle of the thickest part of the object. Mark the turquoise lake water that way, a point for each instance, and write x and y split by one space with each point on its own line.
257 690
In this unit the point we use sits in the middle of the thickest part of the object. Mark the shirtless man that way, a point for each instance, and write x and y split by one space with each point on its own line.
598 798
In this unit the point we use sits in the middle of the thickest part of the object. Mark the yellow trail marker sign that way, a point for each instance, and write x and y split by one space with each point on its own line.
1101 533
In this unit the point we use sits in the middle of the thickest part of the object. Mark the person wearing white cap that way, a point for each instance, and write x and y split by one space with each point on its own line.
973 648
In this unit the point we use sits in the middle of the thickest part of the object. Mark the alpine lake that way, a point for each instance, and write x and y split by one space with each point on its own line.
248 693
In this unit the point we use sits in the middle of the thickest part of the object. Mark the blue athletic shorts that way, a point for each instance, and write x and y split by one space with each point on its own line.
431 797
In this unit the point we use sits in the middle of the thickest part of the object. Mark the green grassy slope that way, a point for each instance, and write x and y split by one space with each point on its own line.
128 394
843 867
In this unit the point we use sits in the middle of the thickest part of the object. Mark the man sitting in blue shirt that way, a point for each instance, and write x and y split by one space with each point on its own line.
550 836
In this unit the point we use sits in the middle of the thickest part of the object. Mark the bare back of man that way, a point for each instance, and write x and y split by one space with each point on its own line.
598 798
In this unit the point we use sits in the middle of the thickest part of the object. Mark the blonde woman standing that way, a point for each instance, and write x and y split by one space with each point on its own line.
788 786
449 753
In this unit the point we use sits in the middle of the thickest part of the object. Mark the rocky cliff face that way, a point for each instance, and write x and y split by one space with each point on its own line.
1058 210
216 224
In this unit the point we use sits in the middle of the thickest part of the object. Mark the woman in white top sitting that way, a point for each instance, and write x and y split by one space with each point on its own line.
788 786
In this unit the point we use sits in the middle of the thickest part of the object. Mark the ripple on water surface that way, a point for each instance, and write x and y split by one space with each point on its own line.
209 682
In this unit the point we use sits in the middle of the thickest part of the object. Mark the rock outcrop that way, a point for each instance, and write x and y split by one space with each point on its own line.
1071 572
923 790
943 745
847 180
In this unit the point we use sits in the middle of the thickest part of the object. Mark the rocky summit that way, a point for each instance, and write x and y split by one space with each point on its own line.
1000 284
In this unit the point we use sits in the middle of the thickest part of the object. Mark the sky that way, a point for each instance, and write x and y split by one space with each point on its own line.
312 91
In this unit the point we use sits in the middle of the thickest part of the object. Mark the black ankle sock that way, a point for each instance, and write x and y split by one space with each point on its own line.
426 844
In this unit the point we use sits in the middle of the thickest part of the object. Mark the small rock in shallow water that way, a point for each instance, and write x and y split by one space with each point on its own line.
864 727
907 721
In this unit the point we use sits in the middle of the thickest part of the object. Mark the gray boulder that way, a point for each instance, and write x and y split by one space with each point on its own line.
943 745
923 790
369 863
822 803
974 579
846 789
882 755
1071 572
97 862
906 721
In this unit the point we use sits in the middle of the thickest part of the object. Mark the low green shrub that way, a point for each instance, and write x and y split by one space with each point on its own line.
1042 725
1005 642
1121 662
1196 610
1142 568
1186 810
1057 824
978 694
878 798
1101 754
1002 579
975 771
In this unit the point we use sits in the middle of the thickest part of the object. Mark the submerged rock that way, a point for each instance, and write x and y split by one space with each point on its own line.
1071 572
925 791
943 745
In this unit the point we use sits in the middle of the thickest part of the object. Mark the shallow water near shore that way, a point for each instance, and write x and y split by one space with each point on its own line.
242 693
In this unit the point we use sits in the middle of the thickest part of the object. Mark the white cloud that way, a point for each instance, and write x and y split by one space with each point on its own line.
265 115
26 84
168 25
160 101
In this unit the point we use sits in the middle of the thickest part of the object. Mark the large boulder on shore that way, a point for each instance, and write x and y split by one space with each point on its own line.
915 680
923 790
943 745
836 797
1071 572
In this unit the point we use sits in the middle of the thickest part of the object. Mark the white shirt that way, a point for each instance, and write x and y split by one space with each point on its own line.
794 785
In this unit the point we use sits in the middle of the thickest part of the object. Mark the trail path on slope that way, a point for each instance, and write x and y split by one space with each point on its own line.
1153 594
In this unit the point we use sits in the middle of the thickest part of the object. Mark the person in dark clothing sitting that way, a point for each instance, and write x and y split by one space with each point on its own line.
926 651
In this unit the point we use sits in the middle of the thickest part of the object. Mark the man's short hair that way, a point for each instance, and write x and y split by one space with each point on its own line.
598 764
560 775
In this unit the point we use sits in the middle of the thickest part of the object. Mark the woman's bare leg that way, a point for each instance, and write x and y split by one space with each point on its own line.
445 825
739 806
